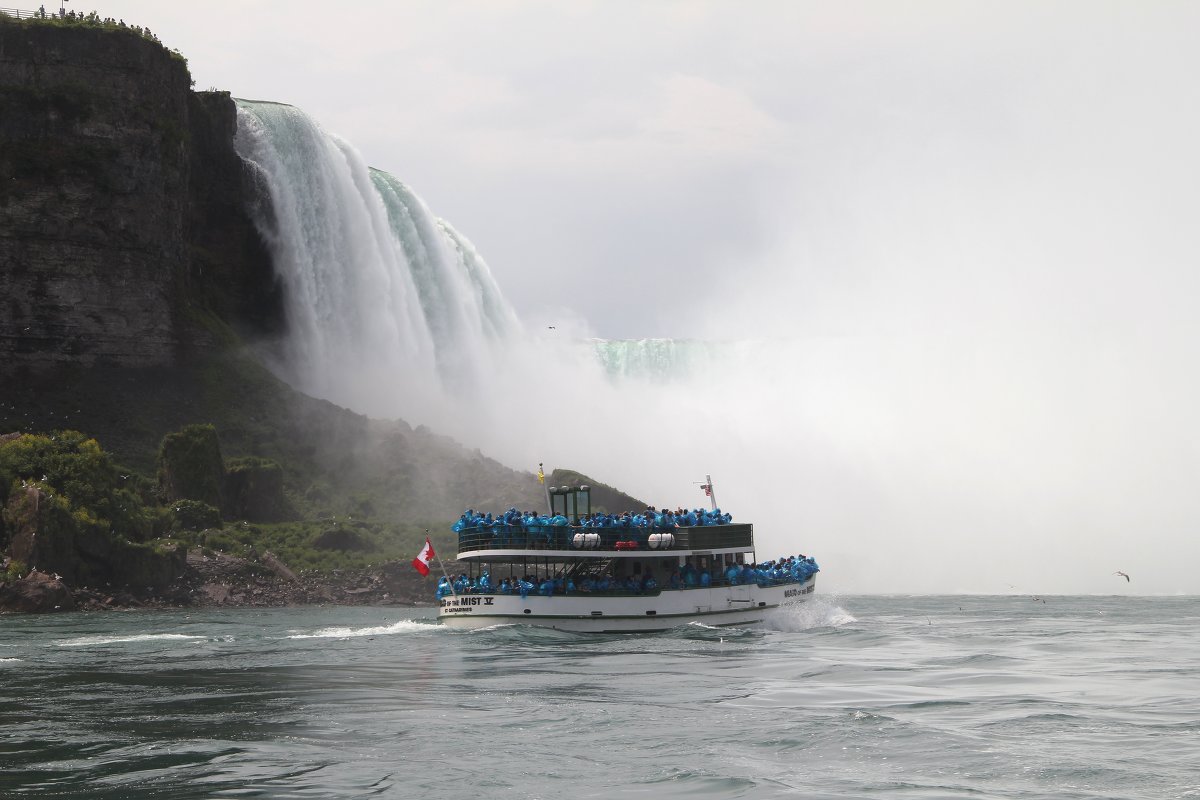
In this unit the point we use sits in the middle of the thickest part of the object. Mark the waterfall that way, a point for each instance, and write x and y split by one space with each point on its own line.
390 310
657 360
388 307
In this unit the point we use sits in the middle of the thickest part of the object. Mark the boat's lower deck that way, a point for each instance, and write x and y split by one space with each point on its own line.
607 613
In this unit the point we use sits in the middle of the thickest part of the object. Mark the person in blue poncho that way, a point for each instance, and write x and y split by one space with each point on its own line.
525 587
705 579
443 587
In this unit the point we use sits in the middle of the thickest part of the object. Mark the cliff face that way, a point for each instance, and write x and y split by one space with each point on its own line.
122 221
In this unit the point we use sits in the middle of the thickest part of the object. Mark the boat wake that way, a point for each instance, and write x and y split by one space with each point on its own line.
819 612
90 641
702 632
400 626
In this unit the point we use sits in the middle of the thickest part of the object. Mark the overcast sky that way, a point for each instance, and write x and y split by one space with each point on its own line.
983 215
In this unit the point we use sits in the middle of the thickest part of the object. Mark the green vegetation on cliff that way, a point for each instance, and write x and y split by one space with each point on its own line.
67 508
81 477
91 21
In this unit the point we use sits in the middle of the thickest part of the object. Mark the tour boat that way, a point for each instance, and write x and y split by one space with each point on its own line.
652 577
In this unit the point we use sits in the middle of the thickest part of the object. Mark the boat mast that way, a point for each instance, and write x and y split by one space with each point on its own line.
712 493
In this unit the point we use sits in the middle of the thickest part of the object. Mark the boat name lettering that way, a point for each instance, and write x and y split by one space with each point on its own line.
448 602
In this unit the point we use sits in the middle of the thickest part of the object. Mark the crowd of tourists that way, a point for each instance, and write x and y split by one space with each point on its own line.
650 519
792 569
93 19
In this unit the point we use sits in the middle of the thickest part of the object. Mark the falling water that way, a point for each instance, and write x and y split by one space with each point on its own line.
389 308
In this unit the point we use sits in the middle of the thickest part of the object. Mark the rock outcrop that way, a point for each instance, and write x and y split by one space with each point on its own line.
37 593
47 536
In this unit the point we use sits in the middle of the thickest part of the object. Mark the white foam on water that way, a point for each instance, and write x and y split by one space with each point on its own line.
819 612
4 660
402 626
698 624
496 627
87 641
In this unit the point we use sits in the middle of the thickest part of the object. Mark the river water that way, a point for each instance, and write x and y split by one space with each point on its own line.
845 697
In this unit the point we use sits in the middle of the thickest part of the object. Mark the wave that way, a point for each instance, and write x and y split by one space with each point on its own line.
89 641
818 612
401 626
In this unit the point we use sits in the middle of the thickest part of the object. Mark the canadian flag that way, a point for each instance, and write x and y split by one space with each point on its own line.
707 489
421 562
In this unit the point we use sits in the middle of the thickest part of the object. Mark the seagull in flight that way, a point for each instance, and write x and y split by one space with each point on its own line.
1123 575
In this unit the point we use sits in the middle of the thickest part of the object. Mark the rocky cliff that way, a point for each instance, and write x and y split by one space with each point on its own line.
123 231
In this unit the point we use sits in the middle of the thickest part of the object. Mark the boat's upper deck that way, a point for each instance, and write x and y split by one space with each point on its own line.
583 542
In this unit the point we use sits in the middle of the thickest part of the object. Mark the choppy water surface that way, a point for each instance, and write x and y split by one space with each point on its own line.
898 697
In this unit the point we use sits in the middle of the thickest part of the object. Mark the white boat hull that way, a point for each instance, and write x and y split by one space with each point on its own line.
603 613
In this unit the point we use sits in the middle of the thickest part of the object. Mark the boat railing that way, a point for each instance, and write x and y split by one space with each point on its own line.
645 540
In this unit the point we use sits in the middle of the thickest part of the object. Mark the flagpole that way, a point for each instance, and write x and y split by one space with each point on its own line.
712 493
443 566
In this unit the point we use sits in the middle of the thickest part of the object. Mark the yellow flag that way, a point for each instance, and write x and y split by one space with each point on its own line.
541 475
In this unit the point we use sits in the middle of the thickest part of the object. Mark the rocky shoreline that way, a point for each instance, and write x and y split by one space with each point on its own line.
224 581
